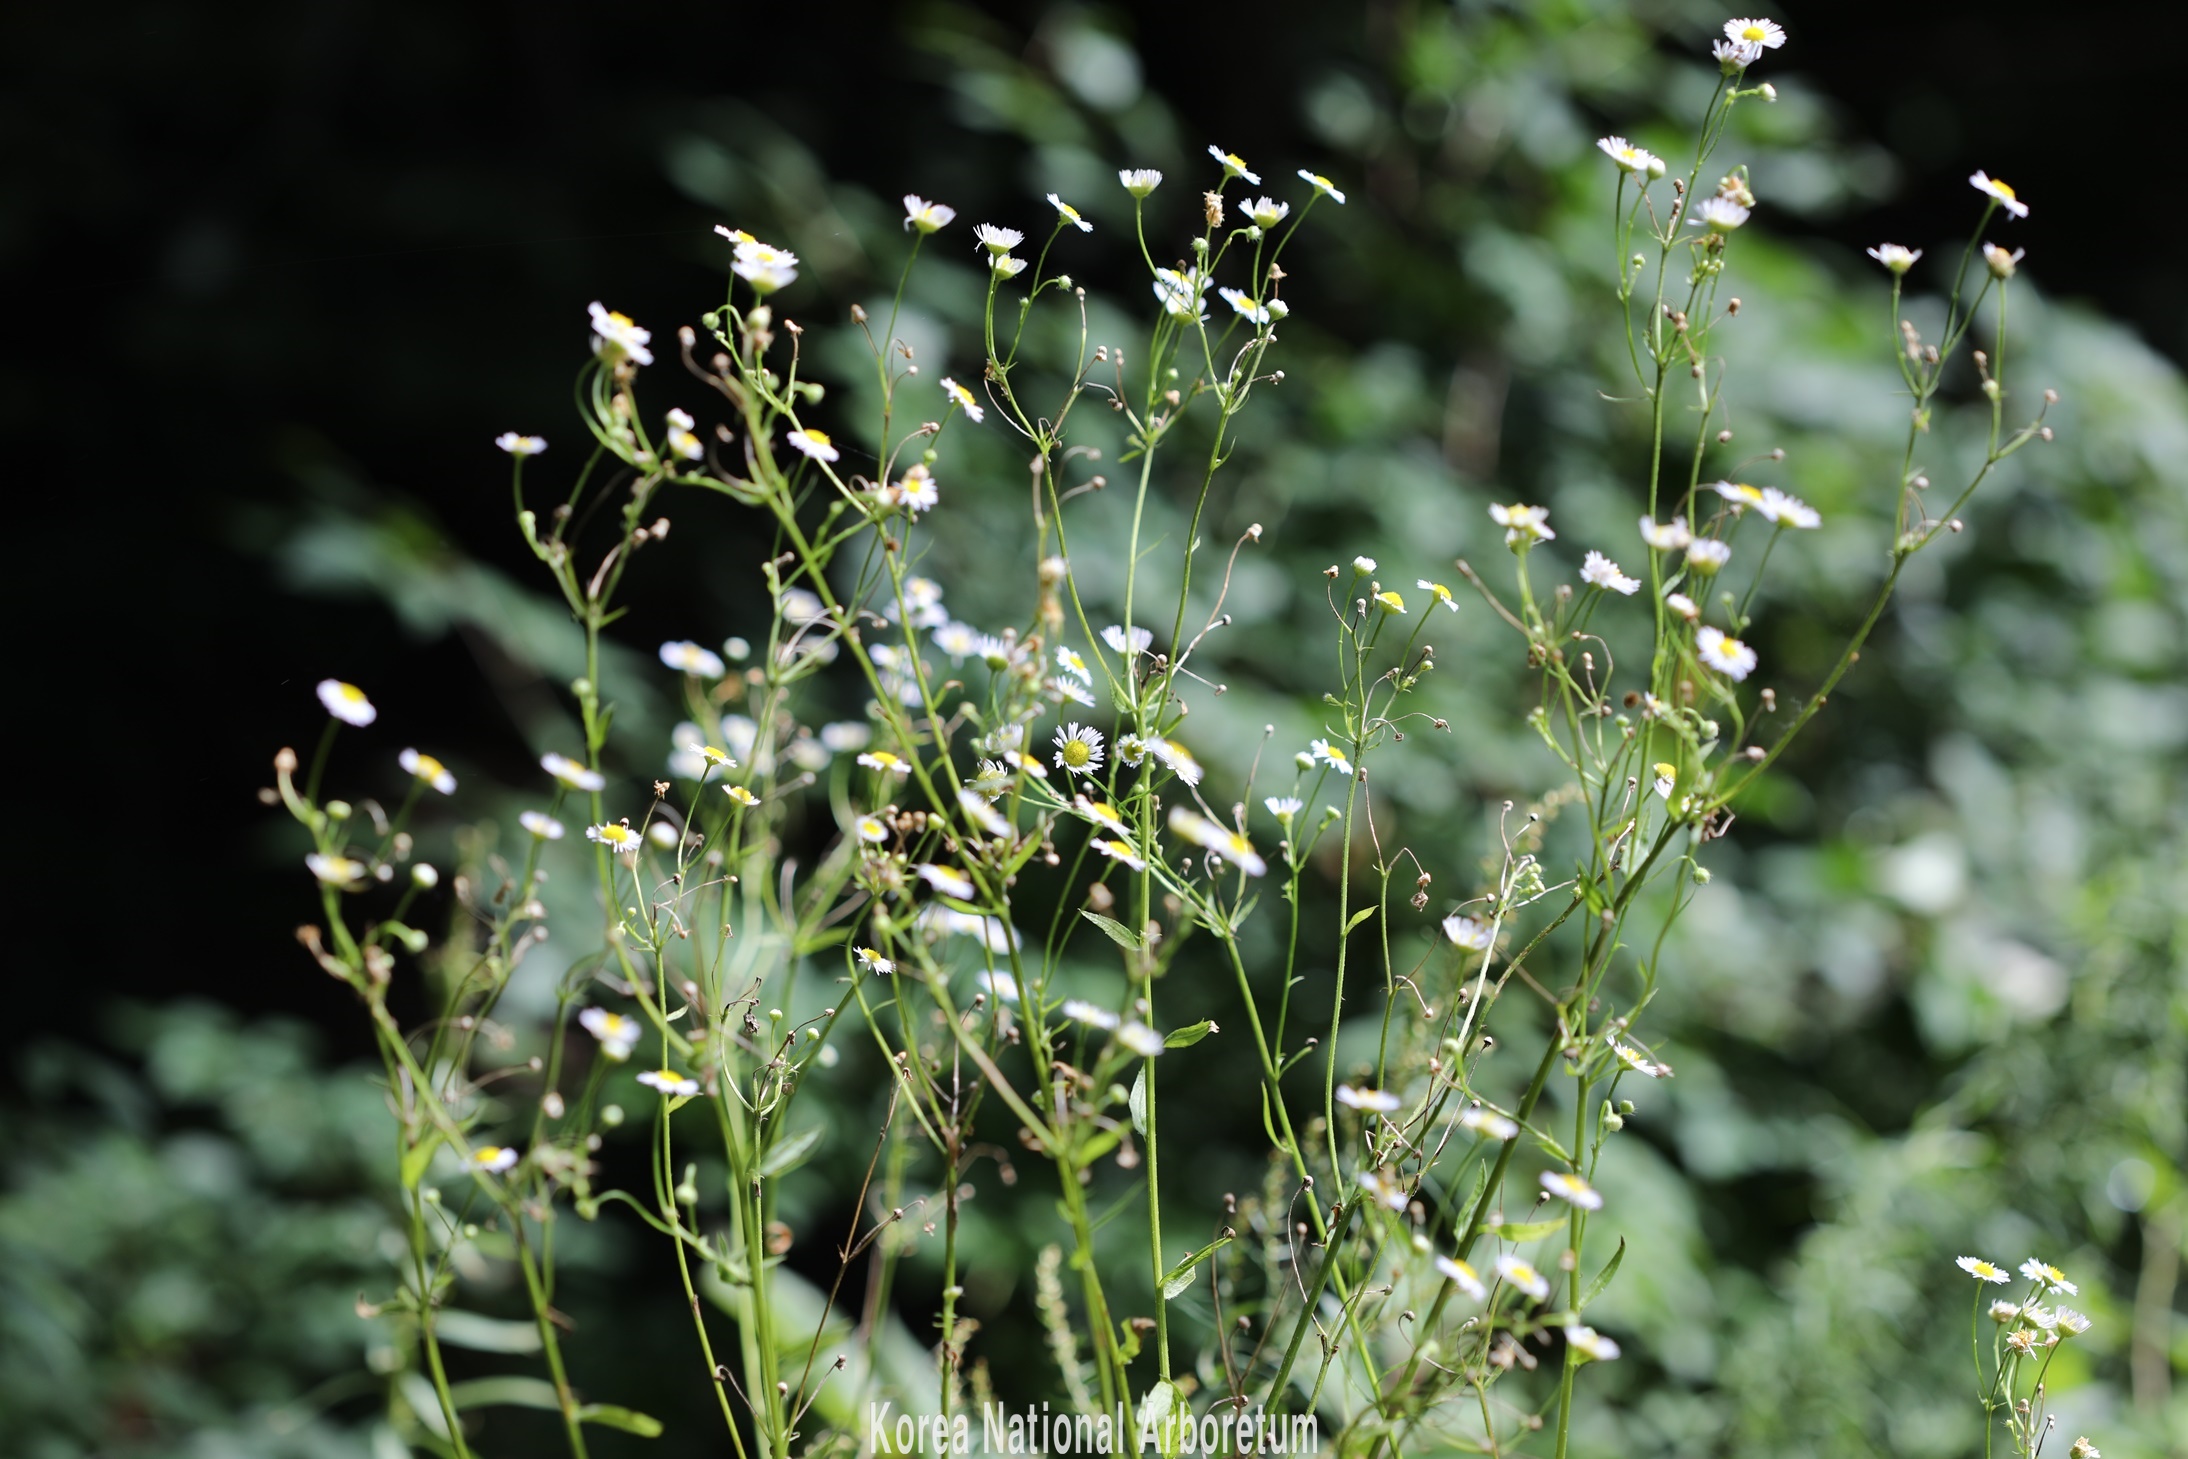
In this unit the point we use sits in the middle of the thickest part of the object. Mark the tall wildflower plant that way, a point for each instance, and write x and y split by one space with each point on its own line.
1416 1271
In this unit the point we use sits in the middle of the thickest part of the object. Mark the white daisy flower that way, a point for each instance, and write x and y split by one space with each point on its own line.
1521 1273
1068 660
1727 655
2002 265
1093 1015
1009 267
1390 601
980 813
1683 605
1069 214
692 659
963 400
918 491
541 825
1718 215
1735 55
618 1035
1079 749
1462 1273
1982 1270
1000 984
1372 1101
1266 212
347 703
1025 764
871 829
1983 183
2070 1322
1131 751
1600 571
1895 257
1180 294
1787 510
1667 776
1484 1121
1330 755
679 439
617 836
1739 493
846 735
494 1159
1767 34
1223 841
886 762
801 606
1284 807
1139 639
765 267
957 640
343 873
925 216
1072 690
997 241
742 796
1140 181
1471 933
2048 1276
1386 1192
429 770
1572 1189
1590 1343
1439 592
517 445
669 1082
809 442
1180 760
1243 303
1140 1039
1320 184
1629 157
1669 537
1101 813
947 880
571 773
875 962
615 337
1522 523
1122 853
1233 165
1706 554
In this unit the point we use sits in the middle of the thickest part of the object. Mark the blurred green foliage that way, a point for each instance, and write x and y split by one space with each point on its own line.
1934 1001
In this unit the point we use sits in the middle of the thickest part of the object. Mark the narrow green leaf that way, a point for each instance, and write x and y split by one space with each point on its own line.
1138 1102
789 1154
1120 934
508 1389
613 1416
1191 1034
1527 1230
486 1334
1358 917
1179 1277
1603 1277
418 1157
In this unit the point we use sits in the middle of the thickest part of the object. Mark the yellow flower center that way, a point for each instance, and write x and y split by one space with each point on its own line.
1754 33
428 767
818 438
618 317
349 694
1076 753
2001 189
